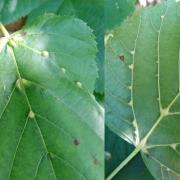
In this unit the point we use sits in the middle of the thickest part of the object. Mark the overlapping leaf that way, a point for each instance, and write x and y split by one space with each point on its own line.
142 86
51 125
92 12
11 10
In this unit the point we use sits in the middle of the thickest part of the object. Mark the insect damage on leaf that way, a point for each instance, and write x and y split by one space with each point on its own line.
121 57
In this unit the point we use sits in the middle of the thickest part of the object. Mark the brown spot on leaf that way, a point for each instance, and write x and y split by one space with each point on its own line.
76 142
121 57
95 162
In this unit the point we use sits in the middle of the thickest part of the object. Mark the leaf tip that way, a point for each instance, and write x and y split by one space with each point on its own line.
162 17
107 37
130 88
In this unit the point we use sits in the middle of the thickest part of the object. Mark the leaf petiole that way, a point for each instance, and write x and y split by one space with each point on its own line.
3 30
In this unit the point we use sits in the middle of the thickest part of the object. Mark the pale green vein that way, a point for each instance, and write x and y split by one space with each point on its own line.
132 81
158 61
20 138
27 100
161 164
38 164
8 101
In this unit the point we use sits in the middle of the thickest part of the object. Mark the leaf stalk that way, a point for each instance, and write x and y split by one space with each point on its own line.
3 30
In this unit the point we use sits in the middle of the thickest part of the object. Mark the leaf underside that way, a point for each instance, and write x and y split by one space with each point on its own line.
143 86
51 125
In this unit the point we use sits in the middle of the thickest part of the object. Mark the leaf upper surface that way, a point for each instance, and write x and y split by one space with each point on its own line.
51 125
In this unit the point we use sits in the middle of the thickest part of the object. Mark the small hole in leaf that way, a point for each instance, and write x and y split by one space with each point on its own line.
121 57
79 84
95 162
76 142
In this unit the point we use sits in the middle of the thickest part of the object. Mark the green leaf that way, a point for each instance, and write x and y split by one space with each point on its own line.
47 7
143 86
116 11
11 10
116 151
91 12
51 125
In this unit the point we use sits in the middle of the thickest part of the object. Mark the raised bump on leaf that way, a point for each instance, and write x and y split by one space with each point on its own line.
79 84
63 70
31 115
130 88
17 39
132 52
130 103
19 83
131 66
45 53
